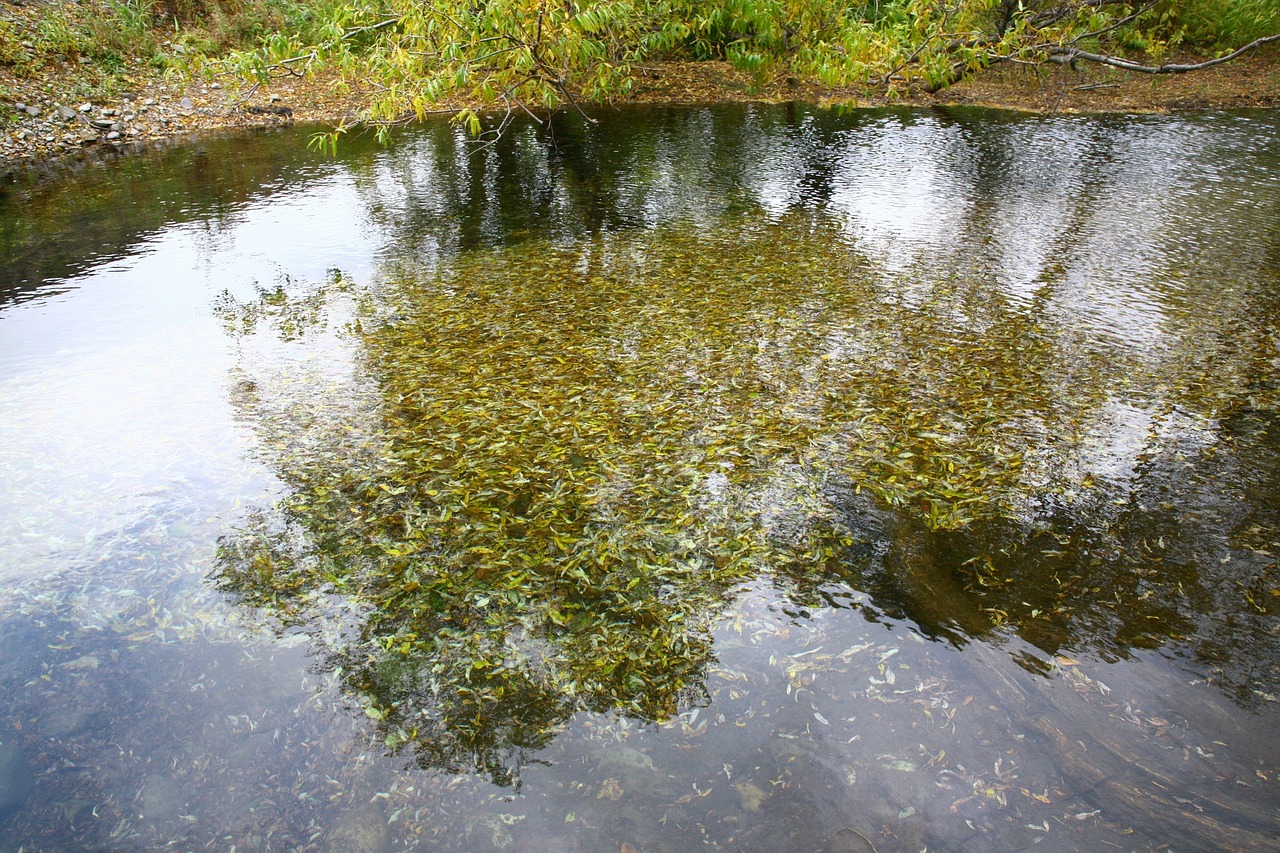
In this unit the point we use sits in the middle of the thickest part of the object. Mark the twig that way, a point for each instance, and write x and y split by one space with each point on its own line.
286 65
447 17
870 843
247 95
355 31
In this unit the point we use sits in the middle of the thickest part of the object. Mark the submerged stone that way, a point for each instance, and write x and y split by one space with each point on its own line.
162 797
16 779
360 830
750 796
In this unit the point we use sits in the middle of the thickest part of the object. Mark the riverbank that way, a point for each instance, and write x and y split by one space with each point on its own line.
49 120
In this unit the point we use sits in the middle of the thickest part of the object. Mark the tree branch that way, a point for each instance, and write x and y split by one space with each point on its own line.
1072 54
381 25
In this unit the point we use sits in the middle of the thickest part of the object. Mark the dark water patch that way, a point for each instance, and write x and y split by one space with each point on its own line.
108 211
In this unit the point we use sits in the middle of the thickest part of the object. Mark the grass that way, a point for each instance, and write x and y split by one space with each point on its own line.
113 35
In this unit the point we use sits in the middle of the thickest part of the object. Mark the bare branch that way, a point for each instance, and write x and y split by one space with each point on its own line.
355 31
1072 54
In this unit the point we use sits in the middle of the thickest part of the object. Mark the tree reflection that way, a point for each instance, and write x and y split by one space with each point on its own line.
567 436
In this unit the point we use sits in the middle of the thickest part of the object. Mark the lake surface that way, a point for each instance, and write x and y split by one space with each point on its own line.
750 478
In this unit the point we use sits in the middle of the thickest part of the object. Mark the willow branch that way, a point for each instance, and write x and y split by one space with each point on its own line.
381 25
1072 54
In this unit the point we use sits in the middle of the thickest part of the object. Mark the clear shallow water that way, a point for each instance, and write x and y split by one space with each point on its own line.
684 348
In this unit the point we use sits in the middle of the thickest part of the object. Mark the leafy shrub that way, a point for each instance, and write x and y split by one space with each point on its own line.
1214 25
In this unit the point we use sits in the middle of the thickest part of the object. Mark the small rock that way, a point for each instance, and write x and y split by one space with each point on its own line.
88 137
86 108
161 797
187 104
129 117
276 98
128 97
102 123
215 85
62 722
361 830
20 107
108 112
66 113
83 60
150 102
29 45
750 796
33 110
113 136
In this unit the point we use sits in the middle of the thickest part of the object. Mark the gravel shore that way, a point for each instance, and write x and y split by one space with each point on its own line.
42 128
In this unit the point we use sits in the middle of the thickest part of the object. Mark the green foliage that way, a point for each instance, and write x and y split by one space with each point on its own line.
126 30
542 54
11 49
1220 25
117 33
58 34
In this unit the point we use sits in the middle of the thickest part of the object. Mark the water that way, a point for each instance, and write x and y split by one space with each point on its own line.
748 478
